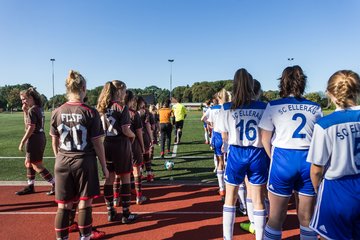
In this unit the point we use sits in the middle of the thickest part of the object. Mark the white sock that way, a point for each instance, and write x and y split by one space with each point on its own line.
250 210
30 182
271 234
215 161
206 135
307 233
229 213
259 223
220 176
242 195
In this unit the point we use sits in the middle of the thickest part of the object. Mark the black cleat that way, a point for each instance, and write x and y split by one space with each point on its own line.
131 218
27 190
52 191
112 215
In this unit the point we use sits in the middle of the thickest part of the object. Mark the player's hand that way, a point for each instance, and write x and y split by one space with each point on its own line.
105 172
25 108
143 150
222 148
21 146
27 163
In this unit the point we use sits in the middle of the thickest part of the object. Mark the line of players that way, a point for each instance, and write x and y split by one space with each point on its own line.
119 132
288 145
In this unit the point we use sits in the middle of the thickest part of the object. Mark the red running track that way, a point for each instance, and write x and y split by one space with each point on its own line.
174 212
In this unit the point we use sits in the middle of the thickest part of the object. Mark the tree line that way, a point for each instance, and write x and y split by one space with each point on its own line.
198 92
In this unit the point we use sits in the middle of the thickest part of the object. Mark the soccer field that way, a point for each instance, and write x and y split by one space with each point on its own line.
193 160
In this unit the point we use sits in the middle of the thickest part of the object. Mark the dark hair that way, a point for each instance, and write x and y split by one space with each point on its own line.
139 101
167 103
129 96
243 88
292 81
257 87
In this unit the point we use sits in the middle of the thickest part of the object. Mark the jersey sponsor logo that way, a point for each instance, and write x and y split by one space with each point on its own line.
322 228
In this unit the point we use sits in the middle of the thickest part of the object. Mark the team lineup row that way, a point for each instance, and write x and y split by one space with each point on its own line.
289 146
120 132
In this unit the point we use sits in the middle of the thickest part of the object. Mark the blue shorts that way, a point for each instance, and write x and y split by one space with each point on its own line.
337 211
289 171
250 161
216 142
205 125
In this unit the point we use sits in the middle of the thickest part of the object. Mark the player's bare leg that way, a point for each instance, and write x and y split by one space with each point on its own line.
229 210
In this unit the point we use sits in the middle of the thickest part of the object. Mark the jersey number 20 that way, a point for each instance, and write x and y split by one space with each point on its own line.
249 128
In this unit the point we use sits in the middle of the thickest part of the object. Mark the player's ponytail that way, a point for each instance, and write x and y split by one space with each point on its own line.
243 86
105 97
344 86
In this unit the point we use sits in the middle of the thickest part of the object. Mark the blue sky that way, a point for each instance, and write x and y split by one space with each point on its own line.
209 40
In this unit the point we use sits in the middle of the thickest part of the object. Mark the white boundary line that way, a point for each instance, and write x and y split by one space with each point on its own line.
141 213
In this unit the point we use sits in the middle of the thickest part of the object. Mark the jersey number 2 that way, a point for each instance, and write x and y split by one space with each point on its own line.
297 131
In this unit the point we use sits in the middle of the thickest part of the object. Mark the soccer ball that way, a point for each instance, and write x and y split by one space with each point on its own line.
169 165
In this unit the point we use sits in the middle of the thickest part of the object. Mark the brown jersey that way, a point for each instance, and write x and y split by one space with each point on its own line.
114 119
36 117
76 124
135 120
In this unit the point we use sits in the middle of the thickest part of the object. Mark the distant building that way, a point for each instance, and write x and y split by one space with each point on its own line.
149 98
193 106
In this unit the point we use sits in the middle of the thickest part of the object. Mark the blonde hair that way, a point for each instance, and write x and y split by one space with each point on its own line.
344 86
108 93
74 83
152 108
223 95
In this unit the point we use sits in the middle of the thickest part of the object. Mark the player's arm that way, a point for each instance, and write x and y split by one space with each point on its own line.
266 140
25 109
139 135
127 131
100 152
55 144
316 173
225 138
29 131
148 129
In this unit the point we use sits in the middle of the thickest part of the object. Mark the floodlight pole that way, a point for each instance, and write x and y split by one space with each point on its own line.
53 87
171 61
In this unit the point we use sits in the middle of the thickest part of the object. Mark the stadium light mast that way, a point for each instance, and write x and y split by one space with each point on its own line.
170 61
53 87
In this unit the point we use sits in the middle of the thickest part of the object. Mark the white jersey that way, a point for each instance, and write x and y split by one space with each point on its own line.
213 117
293 121
241 123
336 143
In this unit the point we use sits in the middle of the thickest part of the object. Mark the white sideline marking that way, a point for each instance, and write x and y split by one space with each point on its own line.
105 213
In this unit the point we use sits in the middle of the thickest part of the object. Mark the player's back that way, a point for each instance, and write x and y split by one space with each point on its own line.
241 123
293 120
338 143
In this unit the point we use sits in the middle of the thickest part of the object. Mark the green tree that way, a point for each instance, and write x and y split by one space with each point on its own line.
201 92
314 96
13 98
270 95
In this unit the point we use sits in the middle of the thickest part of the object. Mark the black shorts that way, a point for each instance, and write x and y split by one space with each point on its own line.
35 147
118 155
137 155
76 178
179 124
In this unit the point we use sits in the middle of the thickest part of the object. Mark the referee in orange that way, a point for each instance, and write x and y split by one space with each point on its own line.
165 115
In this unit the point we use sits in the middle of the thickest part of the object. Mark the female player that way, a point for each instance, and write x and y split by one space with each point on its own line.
287 126
76 141
116 122
147 136
137 147
203 119
165 114
238 122
34 140
334 154
222 97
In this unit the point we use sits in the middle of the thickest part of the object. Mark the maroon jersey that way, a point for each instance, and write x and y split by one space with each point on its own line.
76 124
36 117
114 119
135 120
